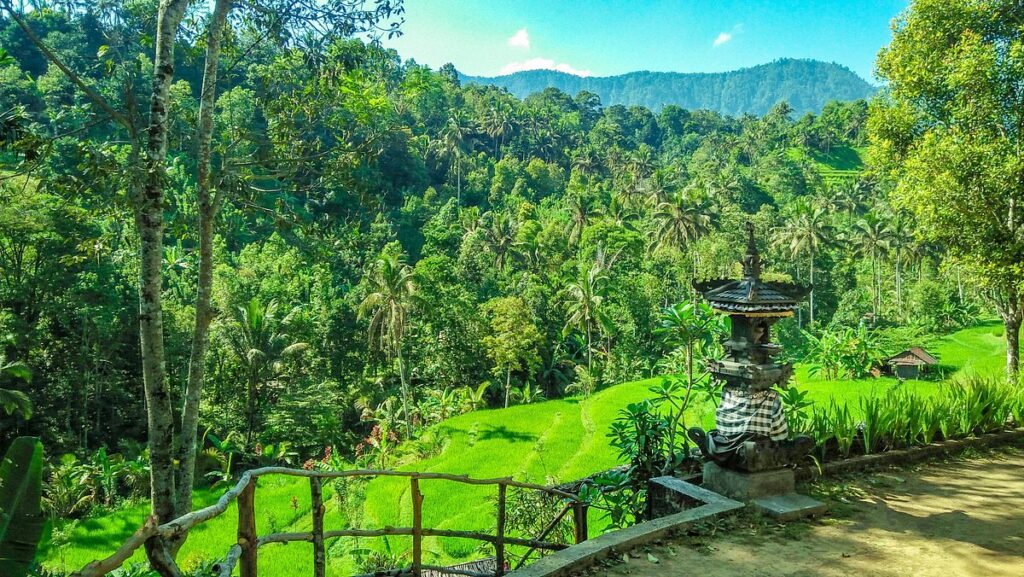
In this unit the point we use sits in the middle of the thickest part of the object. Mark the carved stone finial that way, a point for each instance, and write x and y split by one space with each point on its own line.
751 260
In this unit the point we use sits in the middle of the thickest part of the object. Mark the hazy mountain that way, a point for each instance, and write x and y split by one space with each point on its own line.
805 84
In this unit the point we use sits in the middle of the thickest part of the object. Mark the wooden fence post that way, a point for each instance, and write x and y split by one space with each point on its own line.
417 526
579 514
247 538
499 542
317 505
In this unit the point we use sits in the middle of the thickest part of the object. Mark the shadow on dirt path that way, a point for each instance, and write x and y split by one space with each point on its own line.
962 518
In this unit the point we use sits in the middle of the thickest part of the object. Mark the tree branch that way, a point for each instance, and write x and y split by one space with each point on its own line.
90 92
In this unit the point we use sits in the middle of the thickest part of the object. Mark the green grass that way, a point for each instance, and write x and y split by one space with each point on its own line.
841 163
553 441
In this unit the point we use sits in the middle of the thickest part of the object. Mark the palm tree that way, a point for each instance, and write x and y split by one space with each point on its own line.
684 218
661 184
849 197
454 143
620 212
391 295
806 235
586 313
14 402
900 242
501 237
261 343
497 123
581 208
585 159
642 162
872 239
725 185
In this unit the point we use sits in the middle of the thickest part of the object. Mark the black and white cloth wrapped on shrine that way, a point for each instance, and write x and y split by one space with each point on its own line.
746 413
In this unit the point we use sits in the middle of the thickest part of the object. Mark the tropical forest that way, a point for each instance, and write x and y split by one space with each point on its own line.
267 283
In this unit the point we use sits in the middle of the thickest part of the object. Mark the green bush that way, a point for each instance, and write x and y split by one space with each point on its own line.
897 419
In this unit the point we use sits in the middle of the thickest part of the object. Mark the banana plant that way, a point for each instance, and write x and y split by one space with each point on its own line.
224 452
21 517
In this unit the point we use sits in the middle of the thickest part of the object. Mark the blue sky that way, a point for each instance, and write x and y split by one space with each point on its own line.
606 37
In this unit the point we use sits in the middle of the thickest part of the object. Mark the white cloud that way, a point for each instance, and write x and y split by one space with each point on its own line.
520 39
542 64
724 37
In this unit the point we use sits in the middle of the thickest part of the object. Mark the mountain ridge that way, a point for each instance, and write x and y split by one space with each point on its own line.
804 83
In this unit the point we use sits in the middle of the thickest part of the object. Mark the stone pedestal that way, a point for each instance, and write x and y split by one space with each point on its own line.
771 492
747 486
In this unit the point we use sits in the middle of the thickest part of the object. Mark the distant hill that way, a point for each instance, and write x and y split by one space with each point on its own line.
805 84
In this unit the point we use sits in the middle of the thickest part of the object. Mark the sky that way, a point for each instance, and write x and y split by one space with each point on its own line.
608 37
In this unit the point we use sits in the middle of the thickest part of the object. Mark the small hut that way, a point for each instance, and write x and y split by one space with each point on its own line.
909 364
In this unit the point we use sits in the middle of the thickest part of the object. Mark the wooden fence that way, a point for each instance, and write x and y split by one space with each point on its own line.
245 553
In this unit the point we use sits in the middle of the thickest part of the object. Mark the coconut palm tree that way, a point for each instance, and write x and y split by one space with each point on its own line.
684 218
661 184
871 238
501 237
391 296
585 159
581 208
497 123
806 235
900 241
454 143
261 343
585 297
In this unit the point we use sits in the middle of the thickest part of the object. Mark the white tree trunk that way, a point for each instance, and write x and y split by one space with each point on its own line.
149 219
203 310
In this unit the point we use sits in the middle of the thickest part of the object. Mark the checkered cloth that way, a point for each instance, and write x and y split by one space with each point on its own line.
758 413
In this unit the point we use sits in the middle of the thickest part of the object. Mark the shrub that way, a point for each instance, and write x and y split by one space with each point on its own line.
843 352
967 406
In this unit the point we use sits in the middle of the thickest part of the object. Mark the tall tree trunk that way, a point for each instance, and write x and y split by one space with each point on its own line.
149 218
251 406
508 384
1013 347
405 394
874 287
590 352
204 312
899 285
812 290
1012 312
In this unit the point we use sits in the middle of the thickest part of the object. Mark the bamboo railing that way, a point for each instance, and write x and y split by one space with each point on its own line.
245 553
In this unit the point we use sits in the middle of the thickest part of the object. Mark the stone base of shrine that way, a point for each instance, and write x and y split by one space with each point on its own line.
789 507
771 492
743 486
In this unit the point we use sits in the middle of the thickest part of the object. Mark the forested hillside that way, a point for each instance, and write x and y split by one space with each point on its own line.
806 85
392 246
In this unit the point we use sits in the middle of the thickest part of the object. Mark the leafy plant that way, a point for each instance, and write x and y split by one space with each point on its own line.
14 402
796 405
843 352
616 494
21 518
223 451
70 491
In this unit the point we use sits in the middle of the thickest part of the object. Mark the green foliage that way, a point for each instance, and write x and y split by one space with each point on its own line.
939 136
513 341
21 518
898 418
14 402
843 352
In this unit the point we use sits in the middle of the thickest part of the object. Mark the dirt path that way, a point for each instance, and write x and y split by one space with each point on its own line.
947 520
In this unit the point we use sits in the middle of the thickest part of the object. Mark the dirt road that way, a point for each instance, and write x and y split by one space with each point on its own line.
955 519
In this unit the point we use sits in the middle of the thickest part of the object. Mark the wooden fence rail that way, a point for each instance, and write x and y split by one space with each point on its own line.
245 553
